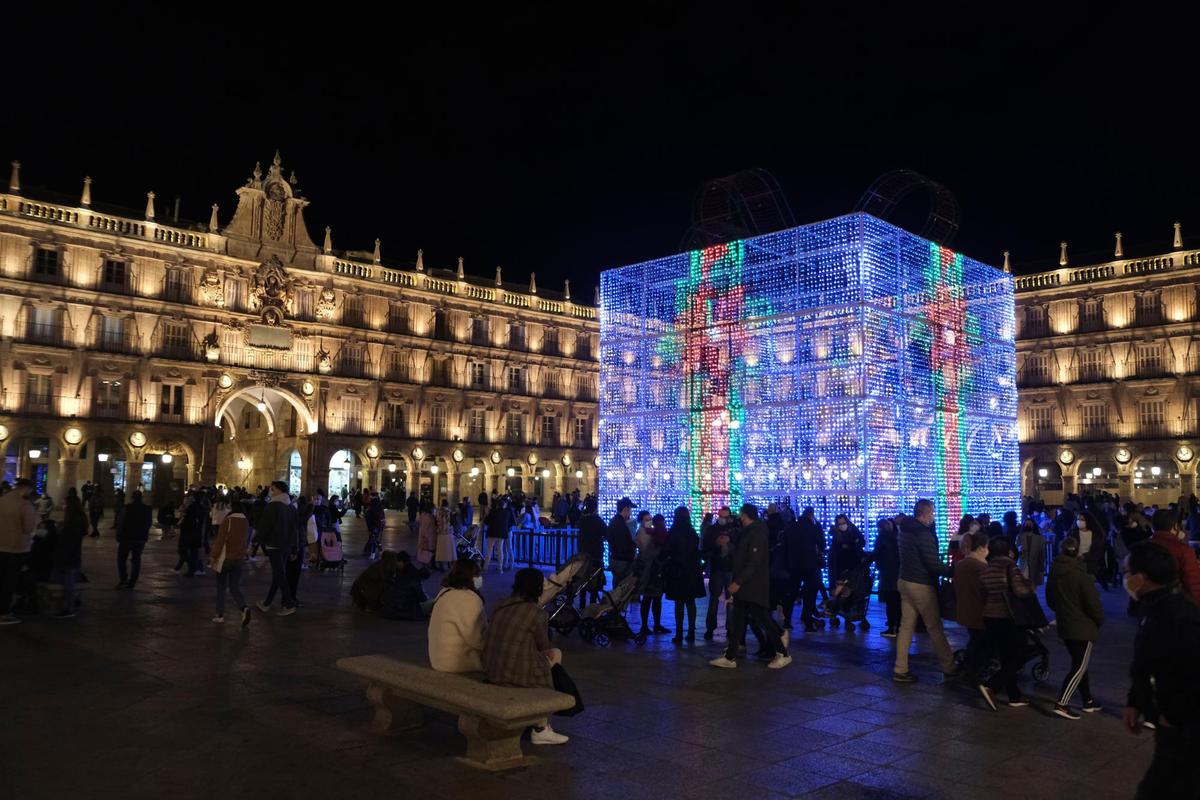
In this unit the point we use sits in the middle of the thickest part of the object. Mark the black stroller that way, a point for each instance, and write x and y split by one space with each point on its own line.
606 619
850 599
561 589
466 544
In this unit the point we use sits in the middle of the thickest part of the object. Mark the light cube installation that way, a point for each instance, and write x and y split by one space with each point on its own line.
847 365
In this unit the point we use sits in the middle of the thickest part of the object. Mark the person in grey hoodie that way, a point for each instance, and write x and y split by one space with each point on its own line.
920 568
750 588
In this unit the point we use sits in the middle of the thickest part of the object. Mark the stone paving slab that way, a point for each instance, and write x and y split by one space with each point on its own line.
142 696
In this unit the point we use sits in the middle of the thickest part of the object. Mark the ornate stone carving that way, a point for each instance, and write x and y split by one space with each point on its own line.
212 288
324 362
212 347
271 292
326 304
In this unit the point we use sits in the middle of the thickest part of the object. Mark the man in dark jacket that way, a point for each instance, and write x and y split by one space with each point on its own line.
591 543
920 568
1072 594
751 590
131 539
803 546
277 531
717 544
620 542
412 504
1164 692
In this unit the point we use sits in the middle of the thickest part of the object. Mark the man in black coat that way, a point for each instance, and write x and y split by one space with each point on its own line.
803 544
131 539
620 543
751 590
278 531
591 543
717 544
1164 689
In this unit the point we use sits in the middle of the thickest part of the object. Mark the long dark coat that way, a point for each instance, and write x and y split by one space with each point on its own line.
684 577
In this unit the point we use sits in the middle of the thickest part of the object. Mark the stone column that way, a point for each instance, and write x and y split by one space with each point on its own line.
68 476
452 481
1187 483
133 476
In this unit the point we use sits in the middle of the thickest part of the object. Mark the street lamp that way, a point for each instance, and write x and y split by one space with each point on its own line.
1156 471
433 470
1043 473
392 467
35 454
102 457
510 472
167 458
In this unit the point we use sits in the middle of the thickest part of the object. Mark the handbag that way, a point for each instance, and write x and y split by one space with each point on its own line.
311 532
1026 612
564 684
947 601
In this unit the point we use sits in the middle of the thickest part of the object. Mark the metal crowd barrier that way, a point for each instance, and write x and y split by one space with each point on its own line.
548 547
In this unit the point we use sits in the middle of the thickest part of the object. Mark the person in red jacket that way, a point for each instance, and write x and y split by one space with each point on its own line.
1166 535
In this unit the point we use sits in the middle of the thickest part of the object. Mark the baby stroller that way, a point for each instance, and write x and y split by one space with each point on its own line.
850 599
606 619
465 545
561 589
331 553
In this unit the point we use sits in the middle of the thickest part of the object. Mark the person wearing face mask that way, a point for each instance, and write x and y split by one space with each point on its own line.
920 568
848 546
457 626
887 560
717 545
968 595
276 531
1164 691
620 542
1073 597
1168 536
651 539
1033 552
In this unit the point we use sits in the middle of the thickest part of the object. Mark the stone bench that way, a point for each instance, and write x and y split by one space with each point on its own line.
492 718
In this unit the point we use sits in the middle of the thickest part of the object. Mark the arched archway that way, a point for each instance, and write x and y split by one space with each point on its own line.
344 466
1155 478
294 469
268 400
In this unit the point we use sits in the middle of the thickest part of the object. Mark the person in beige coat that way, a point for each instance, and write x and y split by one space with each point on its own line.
18 521
457 624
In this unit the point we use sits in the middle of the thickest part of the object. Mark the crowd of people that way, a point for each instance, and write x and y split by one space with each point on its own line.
758 565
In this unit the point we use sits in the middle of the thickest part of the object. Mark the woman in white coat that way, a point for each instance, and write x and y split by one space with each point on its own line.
457 623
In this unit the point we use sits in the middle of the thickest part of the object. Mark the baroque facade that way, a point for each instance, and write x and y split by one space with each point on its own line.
142 353
1108 359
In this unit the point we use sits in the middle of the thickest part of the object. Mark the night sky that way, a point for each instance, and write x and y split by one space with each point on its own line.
566 145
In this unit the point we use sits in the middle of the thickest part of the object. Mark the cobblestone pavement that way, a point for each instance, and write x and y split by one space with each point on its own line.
141 696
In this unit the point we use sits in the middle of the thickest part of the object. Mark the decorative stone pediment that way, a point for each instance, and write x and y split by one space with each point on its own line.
326 304
212 288
271 292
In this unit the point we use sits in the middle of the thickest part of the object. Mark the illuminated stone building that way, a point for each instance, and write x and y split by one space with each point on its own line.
145 350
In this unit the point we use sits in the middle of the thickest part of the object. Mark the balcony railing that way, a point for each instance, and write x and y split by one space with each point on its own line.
1090 373
514 437
1151 369
351 368
53 334
1110 431
1031 329
1035 379
478 435
62 405
116 342
184 350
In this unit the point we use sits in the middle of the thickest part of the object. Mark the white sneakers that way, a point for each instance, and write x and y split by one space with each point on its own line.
263 607
218 619
723 663
779 661
286 611
547 735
